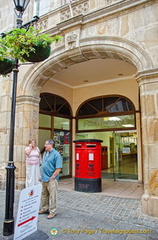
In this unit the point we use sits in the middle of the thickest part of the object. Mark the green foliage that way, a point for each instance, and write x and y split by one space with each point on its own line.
3 50
21 41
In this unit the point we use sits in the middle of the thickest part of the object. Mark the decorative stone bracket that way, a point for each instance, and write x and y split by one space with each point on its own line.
72 40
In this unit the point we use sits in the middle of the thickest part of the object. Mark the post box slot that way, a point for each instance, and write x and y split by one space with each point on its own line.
78 145
91 145
77 156
91 156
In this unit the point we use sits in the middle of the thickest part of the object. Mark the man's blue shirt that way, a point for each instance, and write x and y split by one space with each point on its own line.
51 161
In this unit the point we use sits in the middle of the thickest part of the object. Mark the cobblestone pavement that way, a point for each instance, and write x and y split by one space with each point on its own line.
88 216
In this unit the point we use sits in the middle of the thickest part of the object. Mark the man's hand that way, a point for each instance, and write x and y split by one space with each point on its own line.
52 178
39 179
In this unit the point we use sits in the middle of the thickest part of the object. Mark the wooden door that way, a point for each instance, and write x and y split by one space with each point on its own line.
104 158
111 151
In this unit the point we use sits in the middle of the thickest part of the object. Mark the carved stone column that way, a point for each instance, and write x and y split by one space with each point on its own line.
5 103
148 84
26 128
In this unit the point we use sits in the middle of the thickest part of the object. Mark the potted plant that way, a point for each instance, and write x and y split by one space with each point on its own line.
6 64
28 45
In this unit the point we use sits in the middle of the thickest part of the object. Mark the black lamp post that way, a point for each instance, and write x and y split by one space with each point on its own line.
21 5
8 226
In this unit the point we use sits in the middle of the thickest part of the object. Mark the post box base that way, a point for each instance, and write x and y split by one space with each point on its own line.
88 185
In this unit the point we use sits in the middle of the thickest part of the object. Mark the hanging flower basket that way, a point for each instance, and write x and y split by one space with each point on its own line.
27 44
39 54
6 66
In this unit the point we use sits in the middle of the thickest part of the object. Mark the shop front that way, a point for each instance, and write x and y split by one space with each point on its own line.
55 122
112 119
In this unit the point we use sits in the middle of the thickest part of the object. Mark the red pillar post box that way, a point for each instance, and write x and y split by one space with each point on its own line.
88 165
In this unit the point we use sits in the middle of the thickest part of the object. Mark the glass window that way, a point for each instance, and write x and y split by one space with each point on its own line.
41 7
105 104
54 104
87 109
96 104
109 102
43 136
44 121
61 123
121 105
113 122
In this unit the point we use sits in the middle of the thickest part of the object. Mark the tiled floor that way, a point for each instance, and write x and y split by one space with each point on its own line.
124 189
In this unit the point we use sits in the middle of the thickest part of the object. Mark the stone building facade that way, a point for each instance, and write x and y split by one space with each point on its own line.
93 32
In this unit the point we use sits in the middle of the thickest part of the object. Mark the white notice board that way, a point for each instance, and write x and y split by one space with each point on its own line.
27 216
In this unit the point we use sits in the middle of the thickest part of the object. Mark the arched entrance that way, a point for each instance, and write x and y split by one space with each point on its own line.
55 122
98 47
113 120
105 47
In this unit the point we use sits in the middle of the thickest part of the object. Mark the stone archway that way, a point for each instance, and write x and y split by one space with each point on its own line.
93 48
89 48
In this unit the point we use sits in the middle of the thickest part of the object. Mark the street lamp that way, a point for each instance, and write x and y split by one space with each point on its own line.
21 5
8 226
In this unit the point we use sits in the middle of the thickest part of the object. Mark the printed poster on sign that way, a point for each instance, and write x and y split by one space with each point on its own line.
27 217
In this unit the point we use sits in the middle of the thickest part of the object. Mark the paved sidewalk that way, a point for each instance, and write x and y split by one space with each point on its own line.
88 216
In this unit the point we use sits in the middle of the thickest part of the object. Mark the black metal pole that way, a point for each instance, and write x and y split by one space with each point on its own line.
8 226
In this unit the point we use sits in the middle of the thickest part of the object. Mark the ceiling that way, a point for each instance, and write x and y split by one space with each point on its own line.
93 71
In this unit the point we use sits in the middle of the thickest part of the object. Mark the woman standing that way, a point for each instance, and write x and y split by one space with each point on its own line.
32 153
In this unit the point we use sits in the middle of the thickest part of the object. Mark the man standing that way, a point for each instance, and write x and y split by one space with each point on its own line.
51 166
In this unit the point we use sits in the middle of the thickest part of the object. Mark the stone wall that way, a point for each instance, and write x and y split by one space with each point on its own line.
124 30
148 82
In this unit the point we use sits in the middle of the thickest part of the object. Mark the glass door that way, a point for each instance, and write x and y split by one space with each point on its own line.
125 164
58 129
62 138
62 145
118 155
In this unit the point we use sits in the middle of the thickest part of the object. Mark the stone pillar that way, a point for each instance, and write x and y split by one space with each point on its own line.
148 84
26 128
5 103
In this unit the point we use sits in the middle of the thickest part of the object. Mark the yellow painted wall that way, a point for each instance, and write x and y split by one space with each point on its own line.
76 96
58 89
127 88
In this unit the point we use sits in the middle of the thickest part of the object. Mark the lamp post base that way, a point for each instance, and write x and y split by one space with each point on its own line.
8 227
9 219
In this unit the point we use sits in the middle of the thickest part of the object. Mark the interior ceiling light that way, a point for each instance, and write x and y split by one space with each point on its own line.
114 119
128 125
111 119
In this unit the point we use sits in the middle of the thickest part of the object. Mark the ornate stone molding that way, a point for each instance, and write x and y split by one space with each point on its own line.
72 40
109 2
73 22
114 8
63 14
77 8
147 76
27 99
42 24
